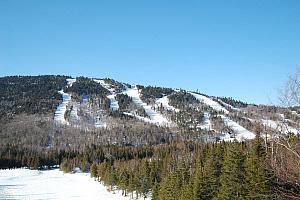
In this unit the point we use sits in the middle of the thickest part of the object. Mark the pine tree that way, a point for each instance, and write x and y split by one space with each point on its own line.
93 170
232 179
257 178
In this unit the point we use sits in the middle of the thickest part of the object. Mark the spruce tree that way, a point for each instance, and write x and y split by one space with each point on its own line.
232 179
256 175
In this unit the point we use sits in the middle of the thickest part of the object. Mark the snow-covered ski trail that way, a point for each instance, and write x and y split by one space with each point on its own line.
59 115
164 101
214 105
114 105
155 117
240 132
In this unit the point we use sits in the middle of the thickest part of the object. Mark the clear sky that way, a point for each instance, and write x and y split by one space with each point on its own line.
243 49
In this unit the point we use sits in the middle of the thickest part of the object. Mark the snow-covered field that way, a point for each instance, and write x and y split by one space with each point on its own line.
24 184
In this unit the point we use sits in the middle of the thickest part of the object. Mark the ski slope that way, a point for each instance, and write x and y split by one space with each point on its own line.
241 133
214 105
59 115
164 101
280 126
114 105
206 122
155 117
23 184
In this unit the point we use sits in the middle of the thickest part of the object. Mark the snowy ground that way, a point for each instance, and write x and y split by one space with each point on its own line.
59 115
114 105
164 101
23 184
214 105
206 122
241 133
155 117
280 126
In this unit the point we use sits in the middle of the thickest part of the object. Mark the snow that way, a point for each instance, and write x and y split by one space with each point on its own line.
229 106
59 115
21 184
214 105
206 123
280 126
240 132
114 105
164 101
155 117
74 112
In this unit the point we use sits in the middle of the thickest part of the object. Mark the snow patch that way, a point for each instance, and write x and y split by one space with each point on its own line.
114 105
155 117
164 101
241 133
206 122
280 126
214 105
59 115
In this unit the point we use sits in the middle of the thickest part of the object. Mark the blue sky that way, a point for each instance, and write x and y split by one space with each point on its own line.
243 49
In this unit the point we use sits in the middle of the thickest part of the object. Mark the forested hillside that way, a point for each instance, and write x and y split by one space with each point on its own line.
148 141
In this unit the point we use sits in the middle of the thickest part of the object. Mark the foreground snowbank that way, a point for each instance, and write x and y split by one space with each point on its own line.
51 184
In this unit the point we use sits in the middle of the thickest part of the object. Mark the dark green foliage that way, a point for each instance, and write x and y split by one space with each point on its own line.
233 175
119 87
182 100
150 93
87 87
124 102
257 179
232 102
30 94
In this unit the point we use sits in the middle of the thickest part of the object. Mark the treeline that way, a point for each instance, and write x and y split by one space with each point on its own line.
87 87
150 93
30 94
182 100
119 87
232 102
15 157
187 170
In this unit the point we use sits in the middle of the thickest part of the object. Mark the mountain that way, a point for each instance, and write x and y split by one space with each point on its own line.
127 114
150 140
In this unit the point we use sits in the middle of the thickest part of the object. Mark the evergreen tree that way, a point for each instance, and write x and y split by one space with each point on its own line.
232 179
257 178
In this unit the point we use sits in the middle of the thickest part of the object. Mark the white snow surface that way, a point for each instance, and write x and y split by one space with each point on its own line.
23 184
214 105
206 122
164 101
114 105
59 115
229 106
241 133
155 117
280 126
